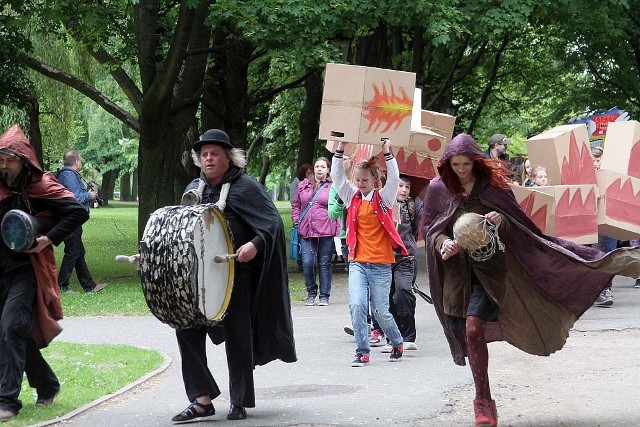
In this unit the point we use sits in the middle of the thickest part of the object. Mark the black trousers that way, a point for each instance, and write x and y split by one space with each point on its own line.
18 352
74 258
237 332
402 304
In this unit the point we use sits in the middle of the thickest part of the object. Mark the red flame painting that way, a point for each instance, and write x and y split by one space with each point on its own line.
538 217
621 203
415 165
578 168
574 217
634 161
386 108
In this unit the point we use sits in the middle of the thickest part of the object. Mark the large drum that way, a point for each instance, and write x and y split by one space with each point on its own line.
183 286
20 229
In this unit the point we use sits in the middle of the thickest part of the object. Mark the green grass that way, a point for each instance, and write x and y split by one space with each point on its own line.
86 372
112 231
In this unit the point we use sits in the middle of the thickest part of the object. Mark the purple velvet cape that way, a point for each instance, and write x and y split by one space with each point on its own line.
550 283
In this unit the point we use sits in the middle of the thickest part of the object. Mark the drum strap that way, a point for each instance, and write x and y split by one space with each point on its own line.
224 192
194 196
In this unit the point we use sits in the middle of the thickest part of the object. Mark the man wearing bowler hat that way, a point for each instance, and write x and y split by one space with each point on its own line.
257 328
29 296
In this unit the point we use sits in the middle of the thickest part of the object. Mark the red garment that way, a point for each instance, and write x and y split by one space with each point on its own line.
385 216
47 306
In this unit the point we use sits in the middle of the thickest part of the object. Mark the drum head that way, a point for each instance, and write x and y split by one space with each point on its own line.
211 237
18 230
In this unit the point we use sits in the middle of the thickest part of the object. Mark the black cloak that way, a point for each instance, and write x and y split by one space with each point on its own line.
271 306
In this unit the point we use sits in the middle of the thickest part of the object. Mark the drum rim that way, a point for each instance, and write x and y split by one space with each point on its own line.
229 238
22 216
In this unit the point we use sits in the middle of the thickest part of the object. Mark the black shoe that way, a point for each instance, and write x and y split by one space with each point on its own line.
194 411
64 289
96 288
46 401
237 413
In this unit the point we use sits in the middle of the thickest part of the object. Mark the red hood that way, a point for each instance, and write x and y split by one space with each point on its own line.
16 141
42 185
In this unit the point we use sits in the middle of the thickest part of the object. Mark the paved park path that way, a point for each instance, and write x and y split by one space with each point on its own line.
593 381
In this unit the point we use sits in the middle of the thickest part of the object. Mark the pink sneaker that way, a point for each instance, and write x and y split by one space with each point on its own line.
376 339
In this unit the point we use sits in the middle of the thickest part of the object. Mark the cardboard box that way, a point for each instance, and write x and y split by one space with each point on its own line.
537 205
566 153
427 143
409 162
365 104
618 205
565 211
439 122
622 148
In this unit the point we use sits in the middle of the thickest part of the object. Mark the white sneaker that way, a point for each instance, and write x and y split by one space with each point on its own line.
408 345
387 348
605 299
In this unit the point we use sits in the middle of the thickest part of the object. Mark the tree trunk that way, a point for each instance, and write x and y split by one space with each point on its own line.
373 50
105 191
309 121
125 187
158 163
134 186
35 136
266 162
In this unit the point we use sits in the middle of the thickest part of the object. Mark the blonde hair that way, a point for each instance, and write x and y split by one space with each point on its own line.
236 157
371 165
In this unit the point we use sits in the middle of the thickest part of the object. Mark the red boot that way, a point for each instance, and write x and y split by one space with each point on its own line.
486 413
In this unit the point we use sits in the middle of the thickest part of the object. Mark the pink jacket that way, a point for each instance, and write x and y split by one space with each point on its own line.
316 222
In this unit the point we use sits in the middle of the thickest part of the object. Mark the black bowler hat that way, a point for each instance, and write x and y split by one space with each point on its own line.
212 136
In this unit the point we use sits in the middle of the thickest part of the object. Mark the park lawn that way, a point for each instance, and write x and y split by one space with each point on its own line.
113 231
86 372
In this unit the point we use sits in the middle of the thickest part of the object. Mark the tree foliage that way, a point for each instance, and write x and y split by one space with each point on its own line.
163 71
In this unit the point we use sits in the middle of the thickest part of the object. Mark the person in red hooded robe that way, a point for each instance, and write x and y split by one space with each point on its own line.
529 292
29 296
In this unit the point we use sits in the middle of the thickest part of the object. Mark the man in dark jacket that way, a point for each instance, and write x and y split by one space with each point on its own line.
258 327
74 251
29 298
498 147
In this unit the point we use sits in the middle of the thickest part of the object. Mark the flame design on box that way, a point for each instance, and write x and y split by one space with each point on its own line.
414 165
578 168
634 161
574 217
386 108
621 203
538 217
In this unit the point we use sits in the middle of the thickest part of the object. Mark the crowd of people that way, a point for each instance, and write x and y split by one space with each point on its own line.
485 287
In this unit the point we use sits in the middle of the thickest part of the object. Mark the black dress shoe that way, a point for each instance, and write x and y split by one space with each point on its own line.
195 410
237 413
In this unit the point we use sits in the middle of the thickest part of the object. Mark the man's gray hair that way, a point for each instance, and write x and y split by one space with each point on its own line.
236 156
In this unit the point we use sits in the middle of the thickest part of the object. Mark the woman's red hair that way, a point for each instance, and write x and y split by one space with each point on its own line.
493 170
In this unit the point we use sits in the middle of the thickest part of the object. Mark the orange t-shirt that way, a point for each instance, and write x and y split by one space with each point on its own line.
373 243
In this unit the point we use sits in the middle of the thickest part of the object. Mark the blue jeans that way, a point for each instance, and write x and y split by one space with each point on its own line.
608 244
316 255
371 281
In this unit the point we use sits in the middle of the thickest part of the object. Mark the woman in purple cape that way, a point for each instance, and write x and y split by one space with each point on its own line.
529 293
